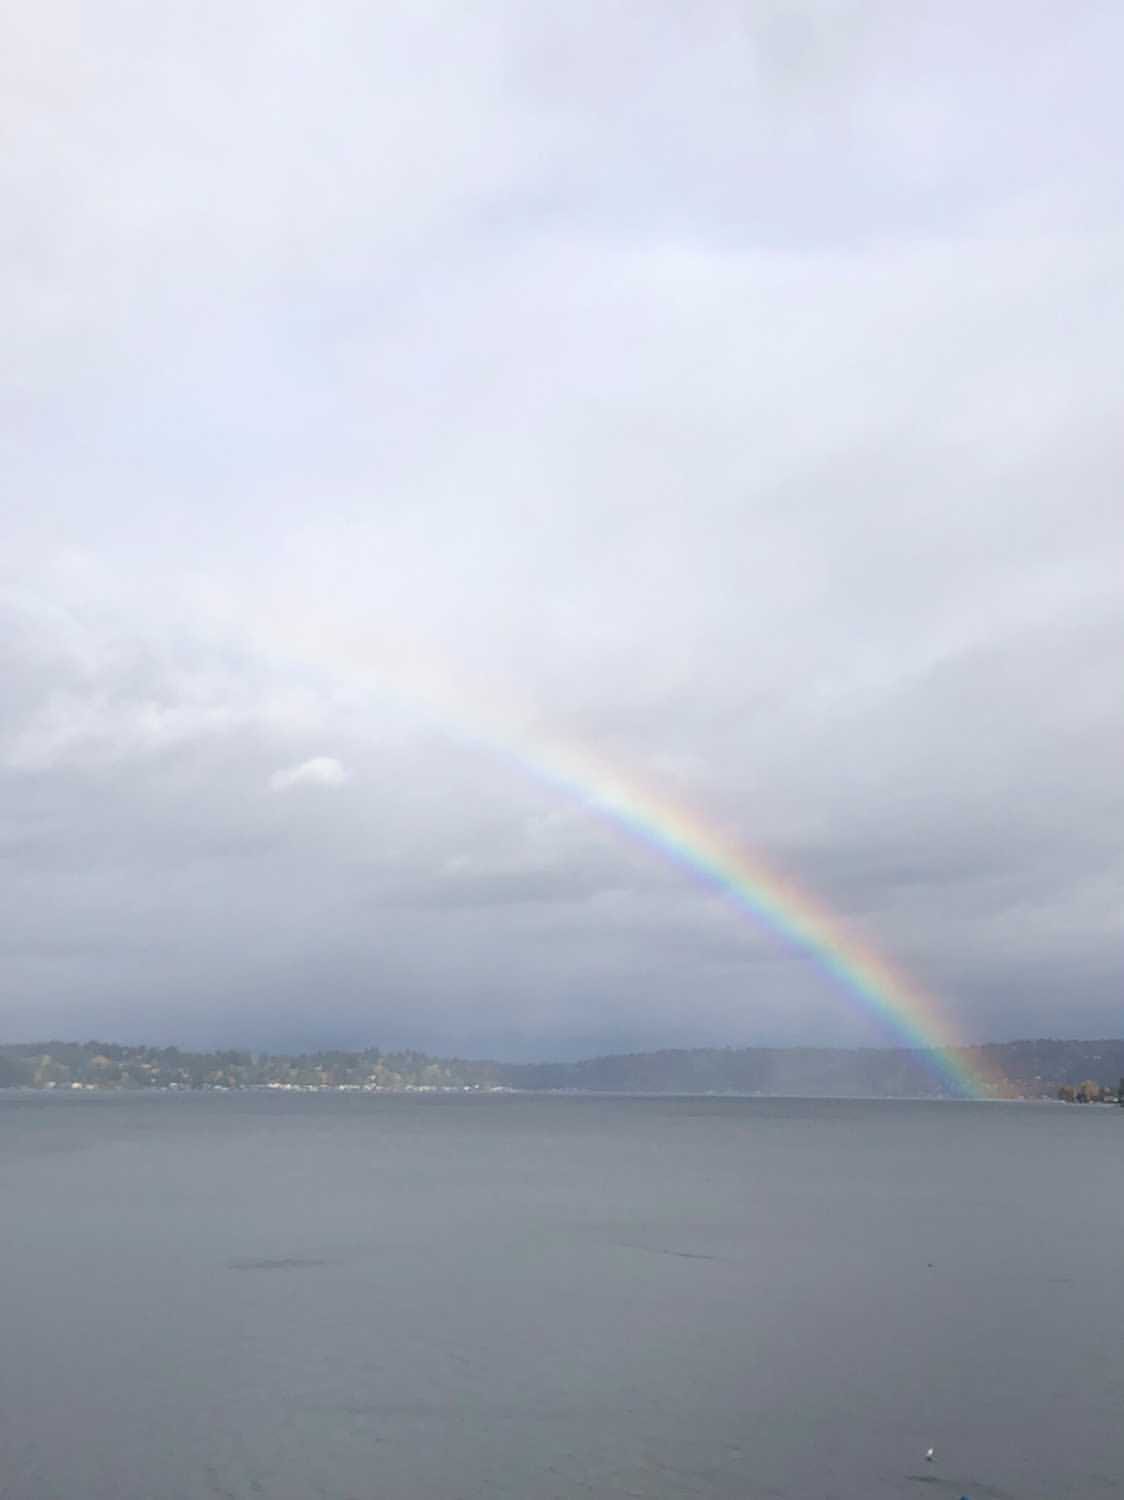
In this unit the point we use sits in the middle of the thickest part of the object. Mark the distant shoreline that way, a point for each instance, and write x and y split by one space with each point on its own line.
1079 1071
116 1091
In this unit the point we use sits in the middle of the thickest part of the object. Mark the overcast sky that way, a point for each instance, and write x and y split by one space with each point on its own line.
731 390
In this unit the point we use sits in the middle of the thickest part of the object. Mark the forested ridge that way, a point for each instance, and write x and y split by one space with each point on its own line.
1030 1069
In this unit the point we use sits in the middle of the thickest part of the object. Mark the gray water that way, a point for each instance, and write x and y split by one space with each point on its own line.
352 1296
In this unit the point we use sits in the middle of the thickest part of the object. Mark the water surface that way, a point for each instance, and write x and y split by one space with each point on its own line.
456 1296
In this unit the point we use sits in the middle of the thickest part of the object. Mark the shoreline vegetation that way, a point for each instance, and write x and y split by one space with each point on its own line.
1071 1071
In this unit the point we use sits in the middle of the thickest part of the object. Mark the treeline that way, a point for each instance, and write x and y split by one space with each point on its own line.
1044 1068
1091 1092
109 1065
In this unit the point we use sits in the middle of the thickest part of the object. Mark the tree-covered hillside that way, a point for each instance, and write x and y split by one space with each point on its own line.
1031 1069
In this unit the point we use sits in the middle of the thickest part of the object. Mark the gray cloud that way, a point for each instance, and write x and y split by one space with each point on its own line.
403 402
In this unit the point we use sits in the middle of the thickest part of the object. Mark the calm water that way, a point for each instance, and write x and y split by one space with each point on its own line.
456 1297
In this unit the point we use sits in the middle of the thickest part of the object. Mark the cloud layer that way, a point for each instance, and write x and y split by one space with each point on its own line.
319 770
730 395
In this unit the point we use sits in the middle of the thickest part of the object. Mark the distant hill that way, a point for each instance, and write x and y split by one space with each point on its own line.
13 1072
1031 1069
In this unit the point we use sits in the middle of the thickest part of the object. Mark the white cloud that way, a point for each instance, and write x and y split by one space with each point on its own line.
321 770
733 400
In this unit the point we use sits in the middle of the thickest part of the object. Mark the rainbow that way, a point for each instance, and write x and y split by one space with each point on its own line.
907 1011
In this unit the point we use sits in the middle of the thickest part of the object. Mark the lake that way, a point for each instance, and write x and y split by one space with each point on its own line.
458 1296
